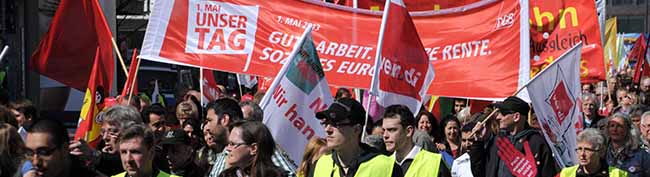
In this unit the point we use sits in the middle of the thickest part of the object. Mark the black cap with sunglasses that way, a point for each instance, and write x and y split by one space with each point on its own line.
513 104
344 109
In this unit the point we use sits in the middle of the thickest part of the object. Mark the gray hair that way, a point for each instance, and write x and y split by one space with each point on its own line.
593 136
122 116
586 96
632 135
257 114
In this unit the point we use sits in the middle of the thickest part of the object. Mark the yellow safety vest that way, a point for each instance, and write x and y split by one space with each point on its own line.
613 172
160 174
378 166
422 163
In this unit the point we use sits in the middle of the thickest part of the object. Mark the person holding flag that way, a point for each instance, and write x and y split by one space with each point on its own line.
504 157
399 127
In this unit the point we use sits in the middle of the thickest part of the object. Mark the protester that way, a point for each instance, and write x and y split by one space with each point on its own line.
635 114
514 136
623 150
314 149
466 139
342 93
207 154
46 148
186 110
106 159
459 104
136 149
587 88
644 91
251 111
6 116
451 140
135 102
645 131
343 125
591 160
180 154
532 120
220 115
589 110
25 113
624 102
427 122
399 127
192 128
250 147
154 116
12 149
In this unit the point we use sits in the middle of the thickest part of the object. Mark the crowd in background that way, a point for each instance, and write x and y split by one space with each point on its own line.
227 138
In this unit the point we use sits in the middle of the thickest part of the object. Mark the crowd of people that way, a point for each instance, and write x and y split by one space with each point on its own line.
227 138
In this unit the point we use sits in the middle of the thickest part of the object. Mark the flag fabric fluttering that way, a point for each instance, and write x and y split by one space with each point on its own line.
89 126
403 71
68 48
638 54
246 80
611 46
156 97
297 93
132 80
555 96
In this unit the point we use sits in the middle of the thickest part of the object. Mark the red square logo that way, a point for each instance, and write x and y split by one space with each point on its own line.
561 102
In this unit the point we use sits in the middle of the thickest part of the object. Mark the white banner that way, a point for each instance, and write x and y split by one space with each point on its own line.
297 93
555 95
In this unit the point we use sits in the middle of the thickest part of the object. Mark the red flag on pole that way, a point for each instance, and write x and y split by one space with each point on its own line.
131 78
89 128
67 49
638 54
403 71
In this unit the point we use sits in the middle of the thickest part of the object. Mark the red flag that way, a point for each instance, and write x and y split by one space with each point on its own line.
89 128
416 5
638 54
131 78
403 68
67 49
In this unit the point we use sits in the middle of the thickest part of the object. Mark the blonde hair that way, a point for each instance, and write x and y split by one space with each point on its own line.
187 108
312 148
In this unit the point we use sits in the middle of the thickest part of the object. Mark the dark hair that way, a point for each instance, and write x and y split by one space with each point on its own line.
468 127
227 106
449 118
435 127
405 115
6 116
342 91
52 127
26 107
153 109
256 132
257 113
138 131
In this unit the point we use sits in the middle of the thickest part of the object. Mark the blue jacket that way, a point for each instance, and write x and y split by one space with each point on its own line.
635 162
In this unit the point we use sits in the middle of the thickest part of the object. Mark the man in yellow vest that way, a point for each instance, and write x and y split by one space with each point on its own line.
343 122
136 149
399 126
591 150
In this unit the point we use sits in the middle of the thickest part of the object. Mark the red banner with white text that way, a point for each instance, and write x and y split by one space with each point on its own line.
557 26
473 49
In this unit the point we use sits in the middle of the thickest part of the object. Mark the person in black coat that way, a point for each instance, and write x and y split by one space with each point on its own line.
512 117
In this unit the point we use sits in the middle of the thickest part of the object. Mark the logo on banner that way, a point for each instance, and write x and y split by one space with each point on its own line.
305 71
560 102
220 28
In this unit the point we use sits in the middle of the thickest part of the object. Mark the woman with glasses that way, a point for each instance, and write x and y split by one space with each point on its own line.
623 150
591 160
250 147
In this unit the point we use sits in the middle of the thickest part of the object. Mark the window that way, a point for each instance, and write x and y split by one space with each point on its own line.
630 24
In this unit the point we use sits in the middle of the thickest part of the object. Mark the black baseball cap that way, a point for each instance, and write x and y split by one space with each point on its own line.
174 137
344 109
513 104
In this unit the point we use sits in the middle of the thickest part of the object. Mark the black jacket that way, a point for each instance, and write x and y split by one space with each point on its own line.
366 154
486 163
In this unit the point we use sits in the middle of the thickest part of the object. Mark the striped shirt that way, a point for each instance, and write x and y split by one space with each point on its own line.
278 159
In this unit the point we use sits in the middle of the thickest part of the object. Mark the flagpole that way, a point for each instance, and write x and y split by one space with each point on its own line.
201 85
119 56
544 70
239 86
135 79
4 52
378 57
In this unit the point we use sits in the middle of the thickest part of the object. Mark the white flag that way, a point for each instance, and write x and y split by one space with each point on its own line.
246 80
297 93
555 94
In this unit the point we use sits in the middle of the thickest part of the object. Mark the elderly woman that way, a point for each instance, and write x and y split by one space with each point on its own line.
591 161
623 147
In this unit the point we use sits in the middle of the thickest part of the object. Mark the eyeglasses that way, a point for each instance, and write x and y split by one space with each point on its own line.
338 124
235 145
585 150
40 152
